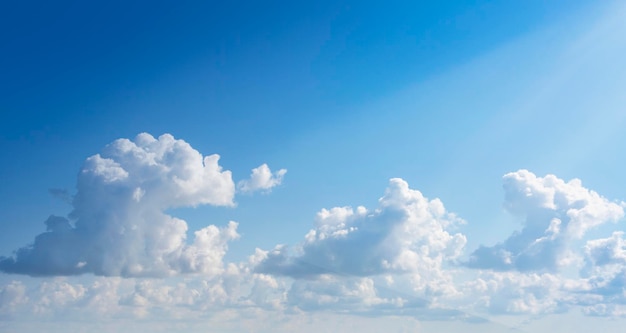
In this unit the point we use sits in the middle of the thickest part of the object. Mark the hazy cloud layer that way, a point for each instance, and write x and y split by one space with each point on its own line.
118 226
555 212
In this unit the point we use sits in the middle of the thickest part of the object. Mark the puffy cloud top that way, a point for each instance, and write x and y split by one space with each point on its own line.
165 172
118 225
406 233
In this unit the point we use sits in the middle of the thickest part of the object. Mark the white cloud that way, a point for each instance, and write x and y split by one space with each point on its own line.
520 293
605 275
354 256
190 297
259 303
262 179
605 310
182 299
555 212
118 226
407 233
340 294
606 251
62 298
12 296
54 297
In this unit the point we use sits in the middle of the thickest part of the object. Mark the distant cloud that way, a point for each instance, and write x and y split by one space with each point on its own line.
262 179
407 233
555 212
118 226
340 294
521 293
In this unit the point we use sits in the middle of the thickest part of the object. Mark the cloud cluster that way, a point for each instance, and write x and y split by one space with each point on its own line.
114 297
237 291
262 179
401 258
118 226
604 271
353 255
339 294
406 233
555 212
520 293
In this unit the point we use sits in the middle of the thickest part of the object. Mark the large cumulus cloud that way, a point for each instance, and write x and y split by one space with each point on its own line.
118 226
406 233
555 212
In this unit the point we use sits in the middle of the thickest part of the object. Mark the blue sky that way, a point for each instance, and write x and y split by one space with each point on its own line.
458 126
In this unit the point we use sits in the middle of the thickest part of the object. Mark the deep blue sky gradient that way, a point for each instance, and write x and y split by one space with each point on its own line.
269 67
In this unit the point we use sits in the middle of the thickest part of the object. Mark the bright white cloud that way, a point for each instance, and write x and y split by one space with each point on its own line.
407 233
555 212
262 179
118 226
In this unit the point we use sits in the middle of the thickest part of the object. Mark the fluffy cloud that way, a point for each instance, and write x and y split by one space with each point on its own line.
262 179
63 298
524 276
521 293
605 274
189 297
12 296
407 233
606 251
342 294
118 226
555 212
237 292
